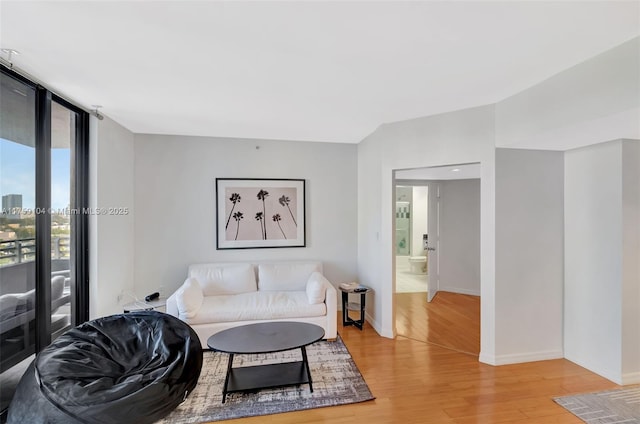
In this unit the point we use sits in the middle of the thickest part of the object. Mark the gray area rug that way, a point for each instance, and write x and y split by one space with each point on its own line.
336 381
612 406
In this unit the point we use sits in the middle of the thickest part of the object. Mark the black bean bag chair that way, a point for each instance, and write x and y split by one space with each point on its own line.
129 368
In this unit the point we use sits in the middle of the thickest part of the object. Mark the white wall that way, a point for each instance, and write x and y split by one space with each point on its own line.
419 217
464 136
111 236
602 276
592 102
593 258
630 261
175 203
459 255
529 255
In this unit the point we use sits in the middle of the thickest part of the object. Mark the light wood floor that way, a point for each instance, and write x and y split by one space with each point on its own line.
419 382
450 320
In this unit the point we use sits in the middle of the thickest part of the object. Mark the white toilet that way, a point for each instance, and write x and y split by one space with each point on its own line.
418 264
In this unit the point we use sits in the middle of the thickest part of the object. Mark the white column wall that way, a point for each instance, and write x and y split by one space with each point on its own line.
529 255
593 258
111 236
630 262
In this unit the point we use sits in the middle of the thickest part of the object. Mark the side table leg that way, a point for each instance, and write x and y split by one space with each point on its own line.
345 311
363 298
226 379
306 364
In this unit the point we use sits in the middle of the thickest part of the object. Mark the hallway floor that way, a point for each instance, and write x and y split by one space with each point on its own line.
451 320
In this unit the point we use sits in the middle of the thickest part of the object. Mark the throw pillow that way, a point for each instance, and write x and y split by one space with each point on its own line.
315 288
189 298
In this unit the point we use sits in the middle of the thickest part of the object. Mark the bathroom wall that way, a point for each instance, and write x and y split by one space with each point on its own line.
404 196
418 219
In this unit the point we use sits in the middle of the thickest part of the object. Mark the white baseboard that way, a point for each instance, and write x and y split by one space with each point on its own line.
487 359
609 374
630 378
388 333
460 291
518 358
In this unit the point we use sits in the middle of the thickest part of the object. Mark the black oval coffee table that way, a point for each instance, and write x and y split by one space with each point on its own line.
266 337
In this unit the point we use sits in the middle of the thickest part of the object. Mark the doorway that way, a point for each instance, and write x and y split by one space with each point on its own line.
445 309
411 218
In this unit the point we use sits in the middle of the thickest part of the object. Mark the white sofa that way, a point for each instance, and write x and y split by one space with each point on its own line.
215 297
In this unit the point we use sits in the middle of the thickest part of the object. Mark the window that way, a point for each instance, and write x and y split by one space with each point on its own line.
43 234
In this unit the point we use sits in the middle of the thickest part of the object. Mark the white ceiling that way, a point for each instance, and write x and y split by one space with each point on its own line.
306 70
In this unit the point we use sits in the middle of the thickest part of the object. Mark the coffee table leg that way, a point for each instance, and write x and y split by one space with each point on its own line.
306 364
226 379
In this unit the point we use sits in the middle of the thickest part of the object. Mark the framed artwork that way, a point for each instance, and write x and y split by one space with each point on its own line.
258 213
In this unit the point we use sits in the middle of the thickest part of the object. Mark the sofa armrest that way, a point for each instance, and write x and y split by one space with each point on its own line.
172 302
172 305
187 300
331 301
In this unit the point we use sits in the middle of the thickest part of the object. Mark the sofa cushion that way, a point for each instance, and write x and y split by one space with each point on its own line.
189 299
221 279
315 288
285 276
256 306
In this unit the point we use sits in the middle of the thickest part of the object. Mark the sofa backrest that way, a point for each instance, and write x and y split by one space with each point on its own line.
221 279
243 277
286 276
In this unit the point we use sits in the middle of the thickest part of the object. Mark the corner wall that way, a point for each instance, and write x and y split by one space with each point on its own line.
602 277
111 236
175 203
593 258
529 255
630 262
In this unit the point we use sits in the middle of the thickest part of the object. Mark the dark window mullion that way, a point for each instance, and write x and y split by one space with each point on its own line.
43 218
80 221
79 257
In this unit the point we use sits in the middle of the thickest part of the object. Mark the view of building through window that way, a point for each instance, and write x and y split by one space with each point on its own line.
17 187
